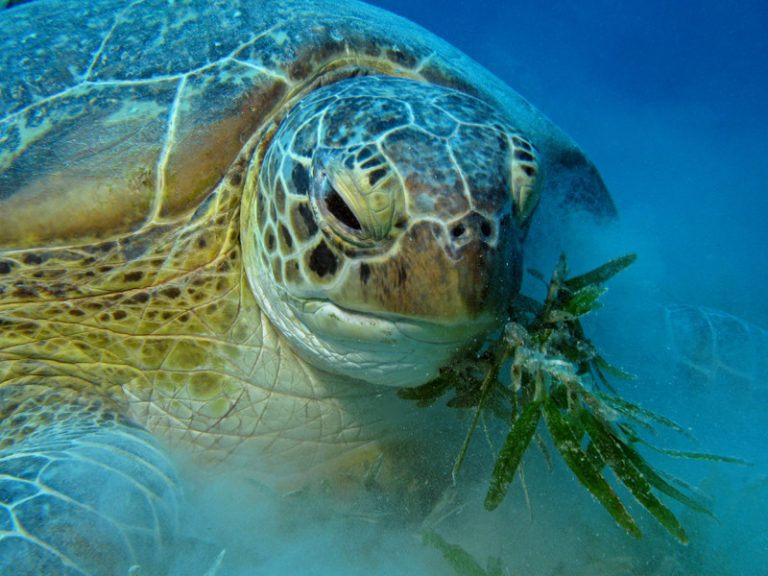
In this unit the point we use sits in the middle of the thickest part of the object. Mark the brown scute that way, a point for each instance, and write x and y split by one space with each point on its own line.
371 162
50 209
292 272
431 190
303 222
322 261
89 170
33 258
277 270
402 274
272 212
136 246
279 196
139 298
146 257
200 159
223 266
171 292
365 272
300 179
22 291
103 247
269 239
286 242
376 175
261 210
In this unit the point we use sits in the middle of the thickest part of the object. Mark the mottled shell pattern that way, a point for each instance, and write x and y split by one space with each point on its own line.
126 148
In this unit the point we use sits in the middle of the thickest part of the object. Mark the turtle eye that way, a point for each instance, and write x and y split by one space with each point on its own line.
339 203
341 210
357 206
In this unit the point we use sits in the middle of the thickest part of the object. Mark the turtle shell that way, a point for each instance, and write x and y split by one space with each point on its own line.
117 115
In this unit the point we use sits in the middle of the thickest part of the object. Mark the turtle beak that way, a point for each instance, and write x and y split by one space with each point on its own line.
485 258
466 275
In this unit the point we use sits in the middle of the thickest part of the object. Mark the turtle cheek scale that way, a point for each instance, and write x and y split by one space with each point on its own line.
385 226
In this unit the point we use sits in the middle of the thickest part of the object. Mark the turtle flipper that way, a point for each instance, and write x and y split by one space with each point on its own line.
82 491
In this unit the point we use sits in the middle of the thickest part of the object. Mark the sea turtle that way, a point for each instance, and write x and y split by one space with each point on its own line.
234 229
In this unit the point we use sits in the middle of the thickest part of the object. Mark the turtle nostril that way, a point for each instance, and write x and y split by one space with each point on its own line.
485 229
458 230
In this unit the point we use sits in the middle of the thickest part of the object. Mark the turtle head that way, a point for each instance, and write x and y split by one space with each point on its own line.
383 225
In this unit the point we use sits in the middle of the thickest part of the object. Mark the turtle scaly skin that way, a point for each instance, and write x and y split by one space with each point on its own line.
233 230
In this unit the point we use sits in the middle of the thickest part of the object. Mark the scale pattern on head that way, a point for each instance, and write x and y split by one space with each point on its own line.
374 190
135 156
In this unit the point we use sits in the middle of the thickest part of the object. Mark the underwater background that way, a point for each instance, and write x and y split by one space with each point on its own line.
669 101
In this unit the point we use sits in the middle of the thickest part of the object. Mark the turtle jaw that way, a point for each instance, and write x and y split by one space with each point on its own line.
354 326
384 349
416 311
398 320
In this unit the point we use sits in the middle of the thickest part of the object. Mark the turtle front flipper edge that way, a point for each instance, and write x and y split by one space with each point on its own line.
82 490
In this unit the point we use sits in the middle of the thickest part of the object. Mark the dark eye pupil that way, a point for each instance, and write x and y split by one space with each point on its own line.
339 208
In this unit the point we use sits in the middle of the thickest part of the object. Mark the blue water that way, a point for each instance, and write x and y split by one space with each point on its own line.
668 99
